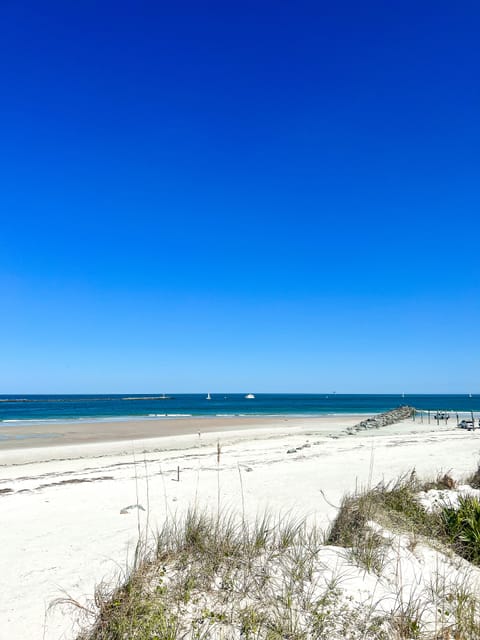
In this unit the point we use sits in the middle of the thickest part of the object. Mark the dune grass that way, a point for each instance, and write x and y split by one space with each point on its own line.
395 506
214 575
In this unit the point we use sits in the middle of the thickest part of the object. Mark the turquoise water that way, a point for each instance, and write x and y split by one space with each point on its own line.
34 408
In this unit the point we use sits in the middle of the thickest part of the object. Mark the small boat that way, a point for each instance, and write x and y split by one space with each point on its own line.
249 396
209 397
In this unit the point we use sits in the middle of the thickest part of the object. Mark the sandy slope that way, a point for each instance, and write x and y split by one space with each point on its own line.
62 535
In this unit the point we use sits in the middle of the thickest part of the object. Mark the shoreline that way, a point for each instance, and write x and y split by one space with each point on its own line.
37 434
193 437
34 422
179 416
22 437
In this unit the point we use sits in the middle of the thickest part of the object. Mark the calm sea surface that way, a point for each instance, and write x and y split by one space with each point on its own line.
101 407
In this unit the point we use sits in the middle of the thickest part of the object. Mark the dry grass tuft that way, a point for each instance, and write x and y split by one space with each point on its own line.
474 479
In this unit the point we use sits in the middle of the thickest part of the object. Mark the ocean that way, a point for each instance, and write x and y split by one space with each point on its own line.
60 408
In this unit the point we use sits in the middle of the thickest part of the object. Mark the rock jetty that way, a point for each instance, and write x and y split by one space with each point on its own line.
383 419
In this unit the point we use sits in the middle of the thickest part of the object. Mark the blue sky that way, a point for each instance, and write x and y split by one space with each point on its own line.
265 196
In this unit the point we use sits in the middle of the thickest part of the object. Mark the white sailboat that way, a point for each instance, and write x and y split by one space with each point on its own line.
249 396
209 397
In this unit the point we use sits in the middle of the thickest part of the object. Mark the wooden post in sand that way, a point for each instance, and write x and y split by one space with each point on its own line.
456 413
473 421
178 474
438 417
428 416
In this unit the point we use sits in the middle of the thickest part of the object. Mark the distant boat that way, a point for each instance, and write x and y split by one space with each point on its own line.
209 397
469 395
249 396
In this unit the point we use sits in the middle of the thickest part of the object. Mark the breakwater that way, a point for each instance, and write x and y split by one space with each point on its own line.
383 419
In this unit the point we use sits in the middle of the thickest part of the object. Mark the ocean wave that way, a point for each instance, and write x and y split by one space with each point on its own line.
148 398
169 415
30 420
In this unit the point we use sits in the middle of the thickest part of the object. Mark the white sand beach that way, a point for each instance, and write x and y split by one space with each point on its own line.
66 525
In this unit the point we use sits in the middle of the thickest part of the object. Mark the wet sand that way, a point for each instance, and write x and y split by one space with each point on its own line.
14 436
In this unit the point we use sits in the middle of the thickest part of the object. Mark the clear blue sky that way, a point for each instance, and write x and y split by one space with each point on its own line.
261 196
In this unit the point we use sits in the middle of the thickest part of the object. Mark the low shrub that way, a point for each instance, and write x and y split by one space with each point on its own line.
462 528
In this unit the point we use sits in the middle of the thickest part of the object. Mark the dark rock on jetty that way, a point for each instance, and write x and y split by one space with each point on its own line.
383 419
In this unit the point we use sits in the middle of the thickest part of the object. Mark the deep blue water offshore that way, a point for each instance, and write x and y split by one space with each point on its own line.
101 407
